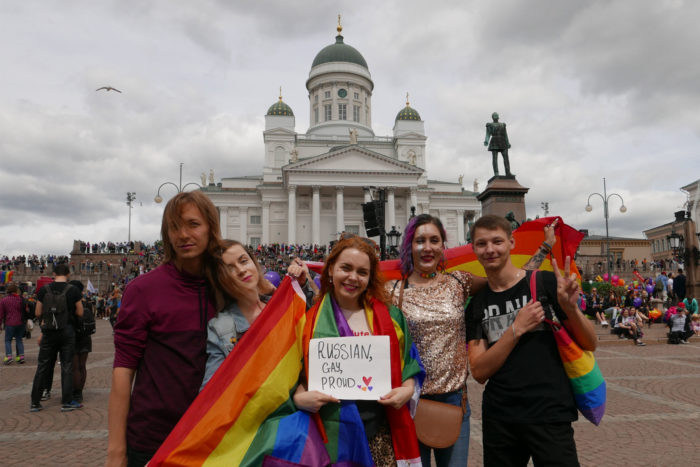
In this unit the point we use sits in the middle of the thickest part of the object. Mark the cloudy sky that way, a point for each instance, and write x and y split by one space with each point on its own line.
588 89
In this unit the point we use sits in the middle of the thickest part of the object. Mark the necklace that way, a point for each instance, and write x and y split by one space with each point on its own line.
429 275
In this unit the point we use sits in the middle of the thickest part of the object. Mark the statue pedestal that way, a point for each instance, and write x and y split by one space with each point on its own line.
503 194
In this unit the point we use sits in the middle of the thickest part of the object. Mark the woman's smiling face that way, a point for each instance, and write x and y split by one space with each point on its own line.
427 247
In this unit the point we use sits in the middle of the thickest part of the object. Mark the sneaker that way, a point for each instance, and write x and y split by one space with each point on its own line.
35 407
685 342
71 407
640 343
7 360
46 395
20 359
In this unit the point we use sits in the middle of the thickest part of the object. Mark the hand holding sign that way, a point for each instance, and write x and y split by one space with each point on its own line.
311 401
397 397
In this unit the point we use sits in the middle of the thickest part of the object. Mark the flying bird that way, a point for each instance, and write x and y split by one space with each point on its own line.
108 88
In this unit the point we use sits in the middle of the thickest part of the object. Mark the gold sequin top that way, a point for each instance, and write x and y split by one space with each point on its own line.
435 316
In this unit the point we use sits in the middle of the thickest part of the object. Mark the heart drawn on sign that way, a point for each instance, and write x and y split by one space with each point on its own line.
367 380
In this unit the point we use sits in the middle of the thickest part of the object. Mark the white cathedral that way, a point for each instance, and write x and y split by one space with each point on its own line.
313 184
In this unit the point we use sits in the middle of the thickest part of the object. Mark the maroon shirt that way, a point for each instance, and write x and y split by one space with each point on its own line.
11 310
161 332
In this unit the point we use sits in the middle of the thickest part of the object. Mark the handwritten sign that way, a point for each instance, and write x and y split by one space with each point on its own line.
350 367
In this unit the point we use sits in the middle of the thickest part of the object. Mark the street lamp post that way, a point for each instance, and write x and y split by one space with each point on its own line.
606 198
180 188
130 197
394 236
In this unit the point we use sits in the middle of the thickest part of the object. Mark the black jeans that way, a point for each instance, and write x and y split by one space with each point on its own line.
513 444
52 343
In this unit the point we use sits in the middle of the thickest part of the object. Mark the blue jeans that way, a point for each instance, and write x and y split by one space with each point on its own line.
457 454
18 333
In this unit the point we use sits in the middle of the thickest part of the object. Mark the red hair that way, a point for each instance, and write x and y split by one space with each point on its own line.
375 285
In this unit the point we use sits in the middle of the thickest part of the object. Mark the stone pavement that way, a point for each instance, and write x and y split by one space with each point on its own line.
653 414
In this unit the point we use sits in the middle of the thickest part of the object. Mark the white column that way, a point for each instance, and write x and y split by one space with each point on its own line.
292 214
460 227
390 209
244 224
316 215
265 222
223 221
368 195
339 211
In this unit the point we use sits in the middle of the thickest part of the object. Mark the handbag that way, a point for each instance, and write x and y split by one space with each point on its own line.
29 325
438 424
581 368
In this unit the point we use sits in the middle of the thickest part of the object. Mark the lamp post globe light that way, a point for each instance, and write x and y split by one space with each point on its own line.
180 188
606 198
130 197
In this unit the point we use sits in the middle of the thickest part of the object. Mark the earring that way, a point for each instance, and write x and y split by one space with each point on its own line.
330 279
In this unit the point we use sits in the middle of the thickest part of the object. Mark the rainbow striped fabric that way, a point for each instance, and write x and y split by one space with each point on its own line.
528 238
340 424
244 415
584 375
6 276
586 380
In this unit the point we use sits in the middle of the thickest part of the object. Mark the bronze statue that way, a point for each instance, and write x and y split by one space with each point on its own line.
511 218
499 143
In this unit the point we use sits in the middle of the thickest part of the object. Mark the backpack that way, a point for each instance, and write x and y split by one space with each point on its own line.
55 314
86 324
659 286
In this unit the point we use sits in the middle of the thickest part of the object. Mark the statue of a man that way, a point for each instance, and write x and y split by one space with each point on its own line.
513 223
499 143
203 177
353 136
211 176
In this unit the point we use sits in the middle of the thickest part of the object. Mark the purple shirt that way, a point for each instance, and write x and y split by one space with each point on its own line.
11 310
161 332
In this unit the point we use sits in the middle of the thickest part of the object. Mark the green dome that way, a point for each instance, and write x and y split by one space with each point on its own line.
339 52
408 113
280 108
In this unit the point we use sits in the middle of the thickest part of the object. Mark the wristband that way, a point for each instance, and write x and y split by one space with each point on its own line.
547 246
512 327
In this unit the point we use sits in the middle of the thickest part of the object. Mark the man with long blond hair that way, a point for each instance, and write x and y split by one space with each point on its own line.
160 334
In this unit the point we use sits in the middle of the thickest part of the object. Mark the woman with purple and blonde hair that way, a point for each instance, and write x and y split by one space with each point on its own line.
433 303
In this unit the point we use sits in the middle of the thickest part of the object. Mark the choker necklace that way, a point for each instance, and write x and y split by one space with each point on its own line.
429 275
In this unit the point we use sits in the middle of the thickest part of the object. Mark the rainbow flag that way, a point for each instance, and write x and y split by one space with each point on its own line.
6 277
584 375
245 415
586 380
340 424
528 238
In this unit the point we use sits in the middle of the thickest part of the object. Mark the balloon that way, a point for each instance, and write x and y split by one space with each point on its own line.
636 283
605 277
637 302
317 281
273 277
650 288
621 282
598 278
615 278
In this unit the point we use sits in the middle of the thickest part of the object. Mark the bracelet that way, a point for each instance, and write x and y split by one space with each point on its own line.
547 246
512 327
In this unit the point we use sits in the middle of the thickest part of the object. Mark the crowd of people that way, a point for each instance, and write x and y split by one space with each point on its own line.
660 299
175 326
212 291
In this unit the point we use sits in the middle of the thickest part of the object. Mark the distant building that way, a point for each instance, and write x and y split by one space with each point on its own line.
313 183
591 255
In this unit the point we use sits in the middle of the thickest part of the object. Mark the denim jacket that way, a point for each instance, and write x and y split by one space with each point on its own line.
223 332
